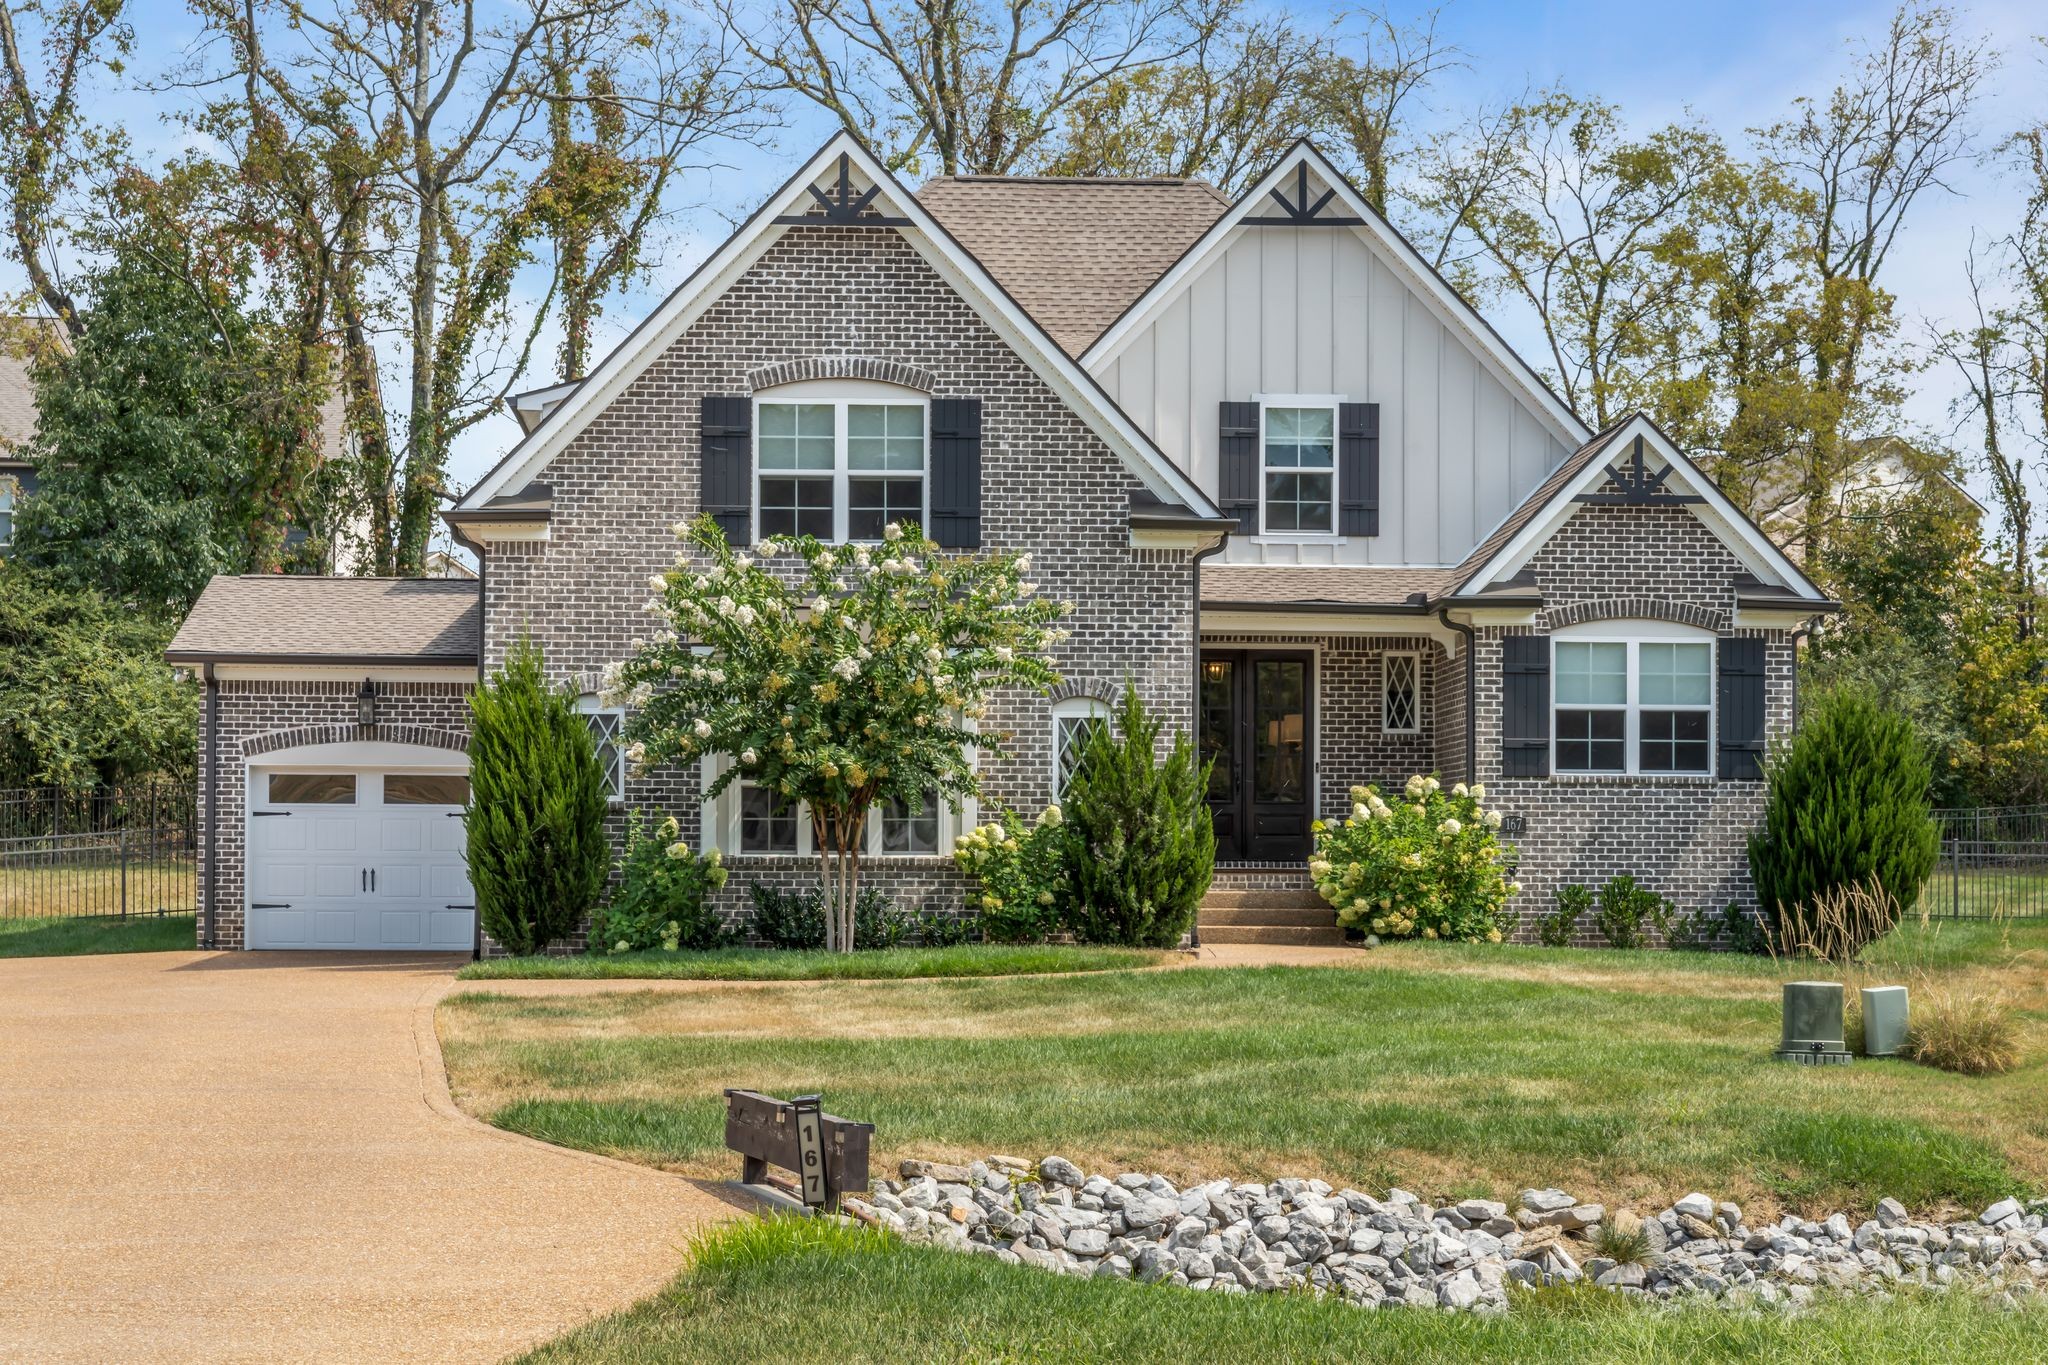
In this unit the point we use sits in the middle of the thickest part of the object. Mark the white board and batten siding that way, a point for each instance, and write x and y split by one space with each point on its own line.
1281 310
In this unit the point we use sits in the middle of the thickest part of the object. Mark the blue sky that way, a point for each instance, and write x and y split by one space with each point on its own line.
1733 64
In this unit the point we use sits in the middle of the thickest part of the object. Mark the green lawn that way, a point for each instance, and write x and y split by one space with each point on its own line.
1628 1077
767 964
787 1290
72 937
93 885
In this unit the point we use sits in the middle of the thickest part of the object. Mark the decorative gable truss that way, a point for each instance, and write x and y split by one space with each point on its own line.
842 186
1634 464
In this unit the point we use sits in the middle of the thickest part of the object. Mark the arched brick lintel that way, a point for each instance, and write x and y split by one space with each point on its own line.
423 735
1095 689
1637 609
842 367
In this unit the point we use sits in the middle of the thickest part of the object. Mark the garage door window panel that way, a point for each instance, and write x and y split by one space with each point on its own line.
312 789
426 789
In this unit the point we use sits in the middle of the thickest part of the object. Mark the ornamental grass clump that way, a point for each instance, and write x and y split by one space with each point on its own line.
1020 876
1428 865
1971 1033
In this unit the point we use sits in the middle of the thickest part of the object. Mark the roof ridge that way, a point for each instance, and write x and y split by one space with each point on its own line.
1116 180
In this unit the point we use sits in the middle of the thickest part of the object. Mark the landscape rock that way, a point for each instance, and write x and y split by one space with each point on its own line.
1292 1235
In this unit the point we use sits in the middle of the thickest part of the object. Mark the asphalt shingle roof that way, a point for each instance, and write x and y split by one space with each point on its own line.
291 617
1321 586
1075 253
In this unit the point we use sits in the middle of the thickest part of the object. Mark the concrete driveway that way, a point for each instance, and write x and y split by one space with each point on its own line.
253 1156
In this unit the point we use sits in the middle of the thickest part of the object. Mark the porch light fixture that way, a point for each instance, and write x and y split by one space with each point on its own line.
366 703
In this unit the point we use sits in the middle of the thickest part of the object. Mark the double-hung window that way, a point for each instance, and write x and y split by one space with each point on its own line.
1298 468
1634 703
772 824
839 463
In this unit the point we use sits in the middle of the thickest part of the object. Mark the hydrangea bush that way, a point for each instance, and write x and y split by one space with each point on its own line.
1020 876
1427 865
663 898
839 676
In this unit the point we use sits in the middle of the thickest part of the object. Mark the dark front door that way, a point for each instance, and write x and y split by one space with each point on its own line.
1257 727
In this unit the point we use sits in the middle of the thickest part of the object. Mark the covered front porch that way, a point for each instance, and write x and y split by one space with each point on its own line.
1292 719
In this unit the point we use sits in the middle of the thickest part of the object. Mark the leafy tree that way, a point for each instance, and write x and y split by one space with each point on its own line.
846 676
1847 807
538 856
976 88
145 443
85 697
1140 846
2002 684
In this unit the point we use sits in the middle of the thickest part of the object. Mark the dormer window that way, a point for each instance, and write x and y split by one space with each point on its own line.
839 461
1298 474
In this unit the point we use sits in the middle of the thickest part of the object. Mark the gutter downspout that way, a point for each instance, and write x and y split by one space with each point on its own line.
212 939
483 600
1443 614
1797 636
1195 678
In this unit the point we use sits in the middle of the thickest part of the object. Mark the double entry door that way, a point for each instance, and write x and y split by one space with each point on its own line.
1258 730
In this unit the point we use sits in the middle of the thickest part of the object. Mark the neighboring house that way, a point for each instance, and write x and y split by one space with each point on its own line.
1300 493
20 340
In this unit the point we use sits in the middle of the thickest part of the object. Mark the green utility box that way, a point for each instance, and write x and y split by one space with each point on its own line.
1884 1020
1813 1024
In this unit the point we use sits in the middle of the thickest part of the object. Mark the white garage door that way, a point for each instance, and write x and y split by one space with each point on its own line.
358 859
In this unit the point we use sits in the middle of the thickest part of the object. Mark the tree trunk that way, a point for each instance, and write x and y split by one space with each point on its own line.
836 837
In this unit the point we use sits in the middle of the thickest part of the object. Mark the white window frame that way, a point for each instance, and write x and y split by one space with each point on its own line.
10 508
1065 712
840 394
724 818
589 704
1267 402
1414 658
1635 634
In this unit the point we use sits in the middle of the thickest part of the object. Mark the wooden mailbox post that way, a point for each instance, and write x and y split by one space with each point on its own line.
829 1154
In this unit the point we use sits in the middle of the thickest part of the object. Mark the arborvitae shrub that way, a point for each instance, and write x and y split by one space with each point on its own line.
1848 806
538 856
1139 845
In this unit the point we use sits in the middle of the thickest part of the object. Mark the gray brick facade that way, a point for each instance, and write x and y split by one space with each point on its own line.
1683 837
850 304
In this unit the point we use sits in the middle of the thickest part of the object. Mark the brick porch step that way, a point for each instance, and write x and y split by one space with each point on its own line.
1295 898
1277 915
1290 935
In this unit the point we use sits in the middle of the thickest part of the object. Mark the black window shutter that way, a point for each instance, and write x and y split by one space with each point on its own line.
1525 706
956 473
1238 448
727 423
1739 700
1358 469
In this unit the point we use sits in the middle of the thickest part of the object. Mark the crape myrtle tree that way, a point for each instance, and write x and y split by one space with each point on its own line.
838 677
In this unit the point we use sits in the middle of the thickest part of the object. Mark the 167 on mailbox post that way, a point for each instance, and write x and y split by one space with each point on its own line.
810 1147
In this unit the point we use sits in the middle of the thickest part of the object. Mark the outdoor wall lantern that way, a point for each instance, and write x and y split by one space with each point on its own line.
366 703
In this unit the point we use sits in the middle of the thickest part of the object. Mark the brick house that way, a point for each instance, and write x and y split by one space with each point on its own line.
1302 495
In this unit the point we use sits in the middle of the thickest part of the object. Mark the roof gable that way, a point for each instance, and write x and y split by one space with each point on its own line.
1667 475
846 180
1075 252
1303 190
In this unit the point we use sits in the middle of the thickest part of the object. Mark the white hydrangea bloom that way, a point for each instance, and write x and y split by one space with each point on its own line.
892 532
657 582
1449 827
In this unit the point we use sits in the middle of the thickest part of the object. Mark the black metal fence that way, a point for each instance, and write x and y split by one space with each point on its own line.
114 852
1994 864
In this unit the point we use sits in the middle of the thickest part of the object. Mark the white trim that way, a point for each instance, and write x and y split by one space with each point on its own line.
1762 618
683 307
1303 623
360 754
840 395
1414 657
1632 635
1174 540
335 673
1735 531
507 531
1453 311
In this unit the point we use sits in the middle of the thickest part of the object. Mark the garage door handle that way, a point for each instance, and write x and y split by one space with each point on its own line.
459 907
269 905
270 812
